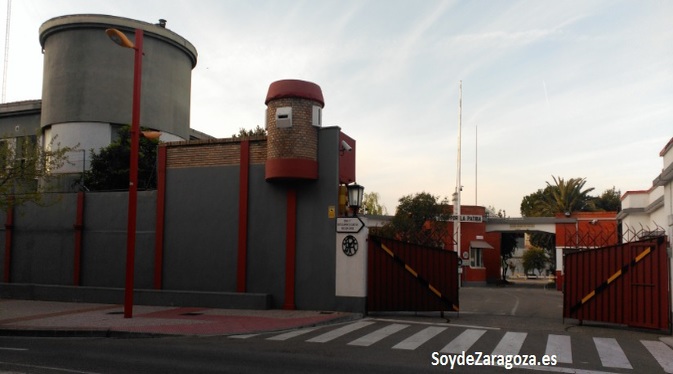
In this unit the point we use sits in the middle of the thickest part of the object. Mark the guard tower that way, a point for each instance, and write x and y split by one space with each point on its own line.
293 118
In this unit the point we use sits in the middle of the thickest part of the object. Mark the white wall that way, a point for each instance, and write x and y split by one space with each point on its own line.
84 135
351 271
652 209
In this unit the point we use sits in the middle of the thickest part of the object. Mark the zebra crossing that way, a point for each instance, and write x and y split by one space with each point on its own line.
454 340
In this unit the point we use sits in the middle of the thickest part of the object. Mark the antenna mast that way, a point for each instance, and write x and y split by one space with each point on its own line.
5 65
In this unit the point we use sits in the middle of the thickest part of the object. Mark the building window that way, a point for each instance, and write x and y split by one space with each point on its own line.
476 261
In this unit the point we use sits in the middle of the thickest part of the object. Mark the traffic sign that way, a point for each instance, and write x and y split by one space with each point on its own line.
349 224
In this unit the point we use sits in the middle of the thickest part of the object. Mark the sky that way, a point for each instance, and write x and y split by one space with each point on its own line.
572 89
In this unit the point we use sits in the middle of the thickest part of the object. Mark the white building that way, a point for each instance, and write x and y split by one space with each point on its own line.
650 212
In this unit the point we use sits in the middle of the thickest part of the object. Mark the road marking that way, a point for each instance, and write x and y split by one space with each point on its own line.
435 323
12 349
293 334
419 338
49 368
378 335
463 342
510 344
516 306
611 353
662 353
242 336
331 335
559 345
557 369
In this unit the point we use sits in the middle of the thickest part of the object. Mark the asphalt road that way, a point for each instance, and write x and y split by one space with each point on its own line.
383 343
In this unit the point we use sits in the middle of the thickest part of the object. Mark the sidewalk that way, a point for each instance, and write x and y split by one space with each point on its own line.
47 318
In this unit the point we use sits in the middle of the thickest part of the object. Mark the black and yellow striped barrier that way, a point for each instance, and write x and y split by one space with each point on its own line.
422 280
610 280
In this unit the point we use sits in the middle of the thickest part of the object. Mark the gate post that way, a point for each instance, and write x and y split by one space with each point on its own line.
351 265
559 269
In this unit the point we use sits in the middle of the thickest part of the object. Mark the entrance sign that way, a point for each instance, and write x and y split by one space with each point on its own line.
467 218
349 224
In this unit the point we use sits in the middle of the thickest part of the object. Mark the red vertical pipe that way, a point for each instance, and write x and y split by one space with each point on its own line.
9 226
133 177
243 186
160 221
290 248
79 228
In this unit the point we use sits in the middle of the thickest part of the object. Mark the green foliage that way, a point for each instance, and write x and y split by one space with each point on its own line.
610 200
568 196
110 166
419 219
535 259
243 133
25 169
561 197
371 205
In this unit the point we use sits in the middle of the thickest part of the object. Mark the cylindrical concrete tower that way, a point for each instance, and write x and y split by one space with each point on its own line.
88 80
293 117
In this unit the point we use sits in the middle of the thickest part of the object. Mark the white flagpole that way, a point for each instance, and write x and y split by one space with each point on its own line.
458 182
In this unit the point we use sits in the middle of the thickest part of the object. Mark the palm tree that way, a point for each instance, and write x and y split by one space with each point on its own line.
565 197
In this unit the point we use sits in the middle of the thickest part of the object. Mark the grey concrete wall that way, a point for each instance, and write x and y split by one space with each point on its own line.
201 229
316 232
20 119
104 239
200 238
44 242
267 207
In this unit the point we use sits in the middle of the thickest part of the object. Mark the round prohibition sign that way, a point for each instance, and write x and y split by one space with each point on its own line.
349 245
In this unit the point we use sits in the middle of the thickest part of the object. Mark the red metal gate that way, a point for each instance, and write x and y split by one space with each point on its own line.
407 277
625 284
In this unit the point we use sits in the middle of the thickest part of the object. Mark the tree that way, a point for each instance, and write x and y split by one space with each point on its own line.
419 219
610 200
243 133
529 203
508 244
561 197
26 169
371 205
110 166
535 259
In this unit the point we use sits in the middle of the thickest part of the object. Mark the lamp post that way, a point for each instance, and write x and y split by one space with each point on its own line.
355 194
121 39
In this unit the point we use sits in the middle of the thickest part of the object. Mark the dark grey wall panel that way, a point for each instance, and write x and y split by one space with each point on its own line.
43 241
316 234
201 229
104 239
266 236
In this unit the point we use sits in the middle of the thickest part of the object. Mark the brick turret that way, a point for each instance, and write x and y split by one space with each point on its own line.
293 117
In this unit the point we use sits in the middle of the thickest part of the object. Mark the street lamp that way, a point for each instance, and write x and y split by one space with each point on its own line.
121 39
355 194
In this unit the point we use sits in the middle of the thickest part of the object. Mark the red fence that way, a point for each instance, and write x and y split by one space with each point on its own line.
407 277
625 284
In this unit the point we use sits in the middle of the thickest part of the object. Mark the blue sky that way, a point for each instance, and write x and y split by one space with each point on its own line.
550 88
